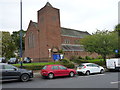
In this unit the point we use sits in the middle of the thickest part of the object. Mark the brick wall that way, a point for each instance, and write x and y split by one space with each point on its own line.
71 40
50 35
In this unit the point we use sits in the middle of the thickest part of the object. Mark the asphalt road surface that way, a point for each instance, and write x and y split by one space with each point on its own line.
106 80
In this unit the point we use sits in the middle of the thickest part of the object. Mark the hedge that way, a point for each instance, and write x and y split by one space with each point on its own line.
79 61
39 67
69 65
32 67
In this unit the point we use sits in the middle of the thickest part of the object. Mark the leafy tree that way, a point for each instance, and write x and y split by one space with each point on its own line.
8 46
61 51
102 42
117 27
16 39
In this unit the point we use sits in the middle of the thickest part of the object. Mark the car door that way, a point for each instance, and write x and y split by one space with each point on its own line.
10 72
96 68
63 71
55 69
90 68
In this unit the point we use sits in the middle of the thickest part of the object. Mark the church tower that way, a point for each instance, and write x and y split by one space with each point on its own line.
49 31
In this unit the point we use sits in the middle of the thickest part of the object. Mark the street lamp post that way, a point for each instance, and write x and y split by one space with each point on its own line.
21 33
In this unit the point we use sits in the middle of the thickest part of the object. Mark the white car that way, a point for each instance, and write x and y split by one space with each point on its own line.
88 68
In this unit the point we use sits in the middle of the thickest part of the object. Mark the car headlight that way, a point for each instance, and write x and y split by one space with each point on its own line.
30 71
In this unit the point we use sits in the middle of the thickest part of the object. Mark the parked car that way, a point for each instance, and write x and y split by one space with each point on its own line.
89 68
12 61
27 60
51 71
3 60
113 64
11 72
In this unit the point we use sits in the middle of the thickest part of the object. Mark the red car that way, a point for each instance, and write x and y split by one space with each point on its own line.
52 71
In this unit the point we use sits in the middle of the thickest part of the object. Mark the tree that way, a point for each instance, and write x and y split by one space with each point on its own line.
117 28
16 39
102 42
8 46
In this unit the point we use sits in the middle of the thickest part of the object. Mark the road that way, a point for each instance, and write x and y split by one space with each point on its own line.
106 80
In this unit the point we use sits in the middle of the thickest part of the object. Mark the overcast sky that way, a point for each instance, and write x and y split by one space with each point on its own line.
84 15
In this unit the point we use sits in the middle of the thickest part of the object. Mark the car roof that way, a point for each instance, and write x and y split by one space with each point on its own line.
54 65
87 63
13 58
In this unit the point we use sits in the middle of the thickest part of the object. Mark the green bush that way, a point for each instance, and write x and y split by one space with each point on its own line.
88 58
101 63
65 61
99 57
80 57
32 67
69 65
78 61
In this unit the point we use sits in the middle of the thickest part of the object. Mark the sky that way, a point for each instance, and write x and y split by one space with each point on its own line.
83 15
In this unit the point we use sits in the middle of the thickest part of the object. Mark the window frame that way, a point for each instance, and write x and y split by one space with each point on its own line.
62 67
13 67
54 68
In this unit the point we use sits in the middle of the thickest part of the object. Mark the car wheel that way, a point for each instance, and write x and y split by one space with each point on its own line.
87 73
71 74
101 71
24 77
50 75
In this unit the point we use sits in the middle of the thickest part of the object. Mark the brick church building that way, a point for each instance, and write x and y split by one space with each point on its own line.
46 37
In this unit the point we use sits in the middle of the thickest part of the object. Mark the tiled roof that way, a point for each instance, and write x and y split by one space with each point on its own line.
69 32
72 47
73 33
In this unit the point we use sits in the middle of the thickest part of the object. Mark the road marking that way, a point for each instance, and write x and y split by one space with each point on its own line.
115 82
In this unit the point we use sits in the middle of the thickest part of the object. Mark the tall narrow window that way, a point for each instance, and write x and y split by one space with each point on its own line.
31 40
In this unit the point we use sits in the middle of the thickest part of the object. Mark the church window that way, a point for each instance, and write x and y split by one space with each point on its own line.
67 41
31 40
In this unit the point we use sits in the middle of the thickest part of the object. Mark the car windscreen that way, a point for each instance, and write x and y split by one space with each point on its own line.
81 65
45 67
26 58
12 59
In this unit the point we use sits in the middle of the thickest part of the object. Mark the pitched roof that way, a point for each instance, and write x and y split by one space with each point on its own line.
35 24
48 4
69 32
69 47
73 33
